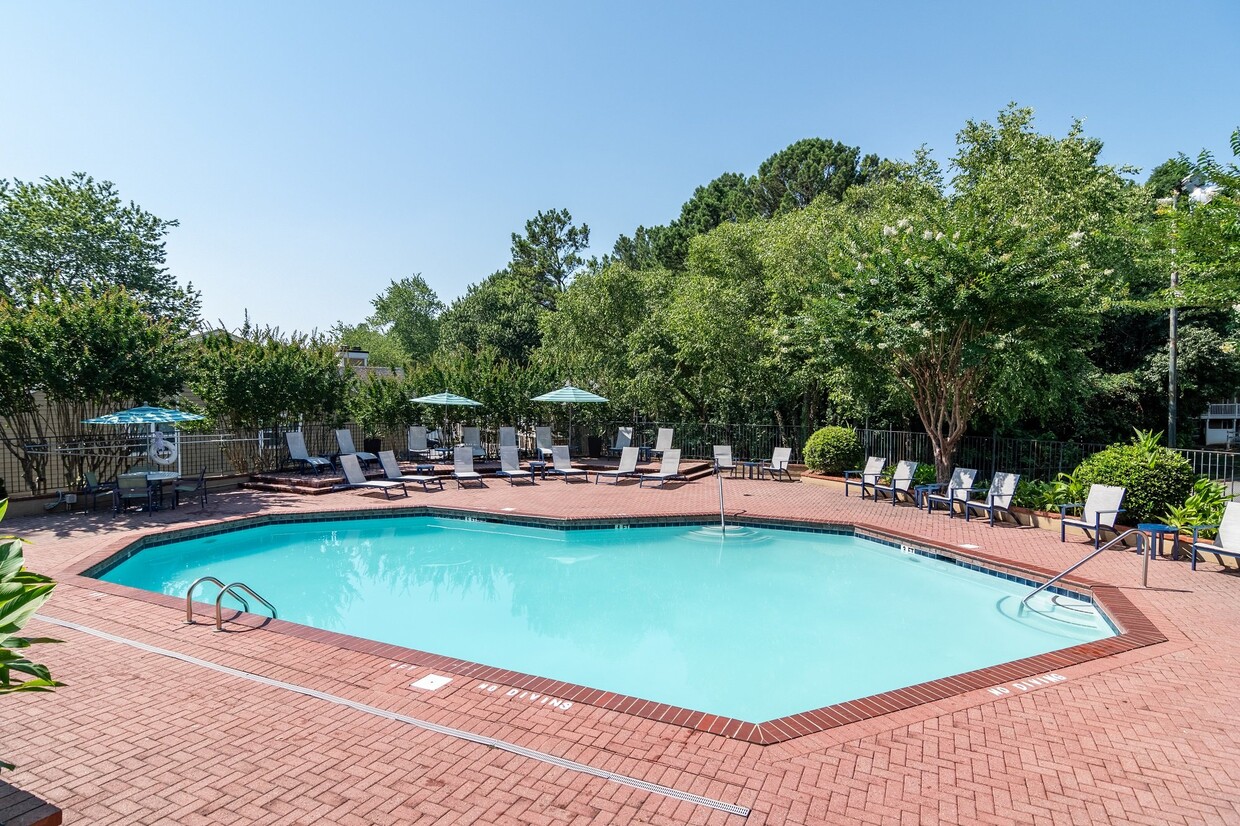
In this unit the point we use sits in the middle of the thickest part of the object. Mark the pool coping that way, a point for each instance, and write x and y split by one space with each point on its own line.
1134 629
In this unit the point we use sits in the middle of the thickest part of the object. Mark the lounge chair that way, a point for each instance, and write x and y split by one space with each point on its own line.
624 438
669 468
1101 507
997 499
957 491
92 489
627 467
345 439
354 478
1227 543
899 483
419 446
190 488
542 438
510 464
297 453
780 458
508 437
471 437
463 467
132 487
723 459
664 441
562 464
391 470
867 476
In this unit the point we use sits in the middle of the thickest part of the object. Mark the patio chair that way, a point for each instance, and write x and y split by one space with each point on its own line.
997 499
510 464
780 458
297 453
418 445
471 437
345 439
723 459
1227 543
92 489
867 476
626 468
669 468
542 440
1101 507
463 467
508 437
562 464
663 442
624 438
957 491
900 483
354 478
189 488
393 473
132 487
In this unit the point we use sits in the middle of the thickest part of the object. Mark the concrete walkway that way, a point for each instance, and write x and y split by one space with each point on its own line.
260 726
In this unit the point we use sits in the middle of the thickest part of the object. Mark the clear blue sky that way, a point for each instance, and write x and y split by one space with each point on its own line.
315 151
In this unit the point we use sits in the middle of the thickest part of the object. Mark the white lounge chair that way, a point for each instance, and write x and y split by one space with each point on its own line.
1227 543
627 467
669 468
418 442
624 438
507 437
297 453
867 476
354 478
998 497
463 467
542 438
781 457
345 439
900 483
1101 507
391 469
471 437
723 459
663 442
957 491
562 464
510 465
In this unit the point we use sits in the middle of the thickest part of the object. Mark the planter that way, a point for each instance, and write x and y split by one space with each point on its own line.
24 809
372 445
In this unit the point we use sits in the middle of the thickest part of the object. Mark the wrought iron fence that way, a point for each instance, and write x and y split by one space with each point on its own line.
696 440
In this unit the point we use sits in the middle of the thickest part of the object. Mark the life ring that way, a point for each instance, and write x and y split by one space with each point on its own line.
161 451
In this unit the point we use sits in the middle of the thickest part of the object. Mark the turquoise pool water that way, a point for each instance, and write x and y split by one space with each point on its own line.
755 625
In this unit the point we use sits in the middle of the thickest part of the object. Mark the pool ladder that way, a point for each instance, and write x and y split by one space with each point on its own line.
1145 563
231 588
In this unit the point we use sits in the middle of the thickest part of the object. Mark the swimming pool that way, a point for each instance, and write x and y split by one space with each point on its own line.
754 625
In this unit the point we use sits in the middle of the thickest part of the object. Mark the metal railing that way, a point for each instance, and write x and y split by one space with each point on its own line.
1091 555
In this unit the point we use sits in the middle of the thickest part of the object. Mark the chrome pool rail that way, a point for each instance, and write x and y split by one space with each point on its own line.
1091 555
232 589
189 597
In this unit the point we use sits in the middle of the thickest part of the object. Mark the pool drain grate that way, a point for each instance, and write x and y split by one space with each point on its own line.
460 734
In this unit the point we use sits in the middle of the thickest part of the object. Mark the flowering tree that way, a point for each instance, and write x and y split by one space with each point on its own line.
982 297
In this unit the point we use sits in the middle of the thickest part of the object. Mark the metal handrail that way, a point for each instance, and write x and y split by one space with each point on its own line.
219 619
1088 557
189 597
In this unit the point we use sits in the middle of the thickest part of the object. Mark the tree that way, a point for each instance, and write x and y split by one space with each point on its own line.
549 253
72 235
407 310
727 199
794 177
383 349
1165 179
982 299
501 313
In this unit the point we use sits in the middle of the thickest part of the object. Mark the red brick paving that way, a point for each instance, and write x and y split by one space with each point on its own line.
1143 736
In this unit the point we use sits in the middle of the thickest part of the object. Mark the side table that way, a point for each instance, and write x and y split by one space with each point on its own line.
1157 530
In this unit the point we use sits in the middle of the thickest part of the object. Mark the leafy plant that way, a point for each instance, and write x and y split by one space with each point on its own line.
21 594
1035 494
1154 477
1204 506
833 450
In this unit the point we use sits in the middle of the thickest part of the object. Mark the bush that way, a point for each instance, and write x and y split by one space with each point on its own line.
1155 478
1204 507
833 450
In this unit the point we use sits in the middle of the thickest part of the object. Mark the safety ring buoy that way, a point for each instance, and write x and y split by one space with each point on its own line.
161 451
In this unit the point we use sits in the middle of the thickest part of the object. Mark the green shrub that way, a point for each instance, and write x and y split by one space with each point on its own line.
1204 507
1155 478
833 450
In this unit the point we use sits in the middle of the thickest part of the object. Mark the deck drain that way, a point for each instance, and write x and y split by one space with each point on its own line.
431 682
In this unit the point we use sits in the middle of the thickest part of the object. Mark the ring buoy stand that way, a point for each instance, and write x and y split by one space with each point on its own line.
161 451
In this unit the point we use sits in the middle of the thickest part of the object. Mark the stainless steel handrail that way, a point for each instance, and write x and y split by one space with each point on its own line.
1089 556
189 597
219 619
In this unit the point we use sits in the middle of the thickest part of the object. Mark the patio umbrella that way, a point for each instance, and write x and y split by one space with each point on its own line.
160 451
570 395
446 400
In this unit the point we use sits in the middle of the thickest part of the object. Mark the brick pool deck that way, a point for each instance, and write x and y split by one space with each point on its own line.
137 736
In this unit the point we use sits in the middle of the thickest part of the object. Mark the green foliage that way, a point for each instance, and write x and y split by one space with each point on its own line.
793 177
74 235
408 311
833 450
549 253
1154 477
381 404
1204 506
501 314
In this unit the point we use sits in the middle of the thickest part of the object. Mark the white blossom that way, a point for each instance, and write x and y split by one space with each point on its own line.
889 231
927 235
